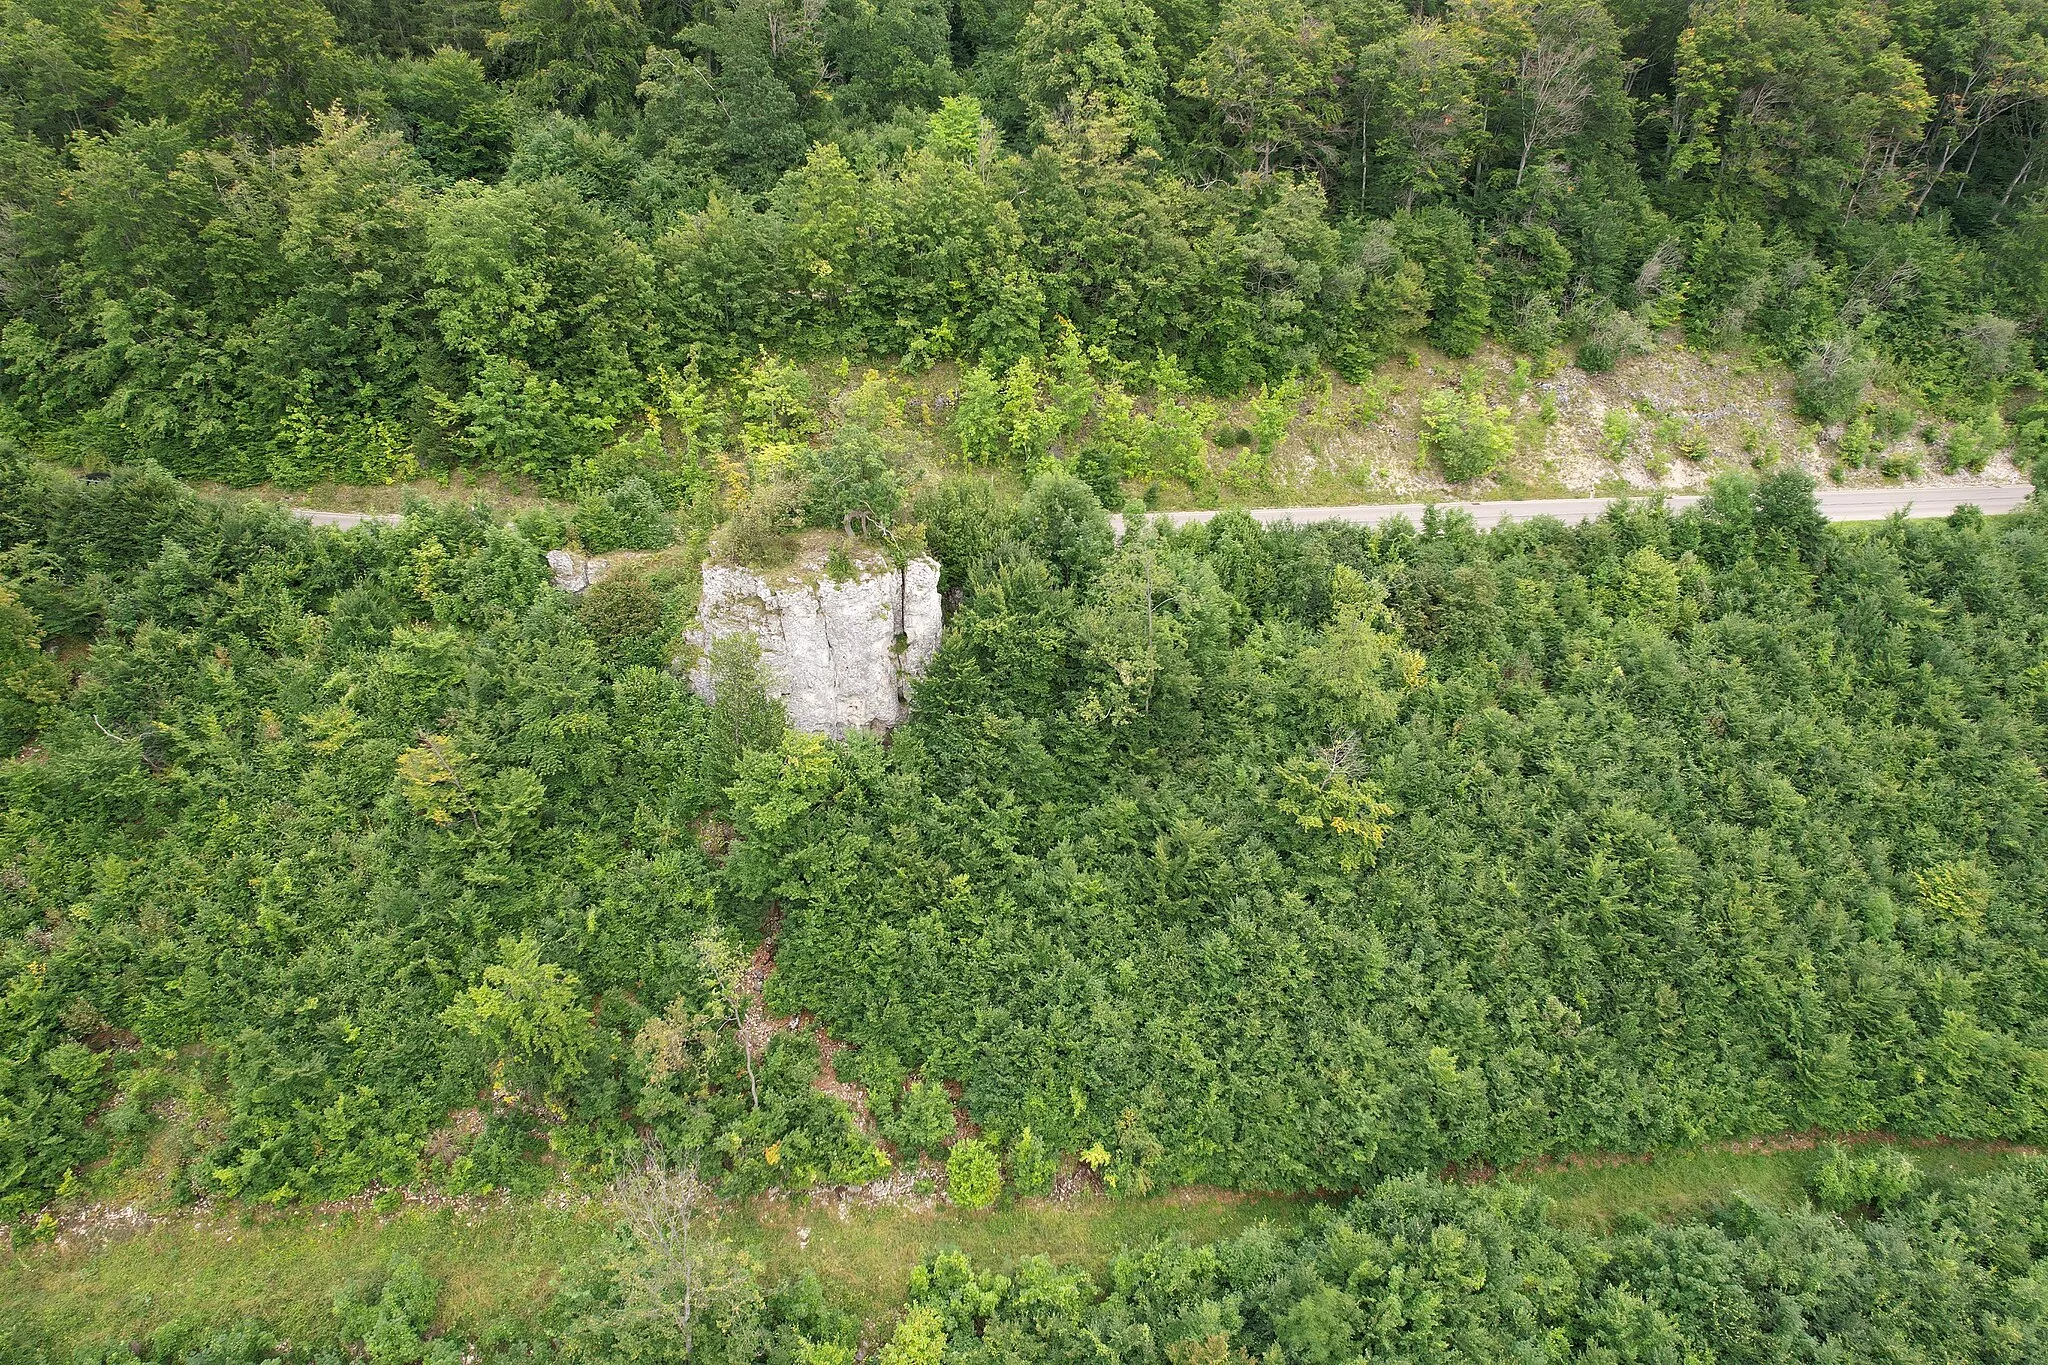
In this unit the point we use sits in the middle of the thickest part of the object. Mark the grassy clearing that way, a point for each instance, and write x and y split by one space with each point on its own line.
499 1262
865 1258
1592 1197
495 1262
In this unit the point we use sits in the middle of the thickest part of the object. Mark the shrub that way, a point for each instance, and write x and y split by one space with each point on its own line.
755 532
923 1120
1829 384
1878 1177
1970 444
542 527
1613 337
628 517
974 1175
1033 1165
1464 435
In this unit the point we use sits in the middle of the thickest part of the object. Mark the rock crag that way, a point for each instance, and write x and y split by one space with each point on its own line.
840 653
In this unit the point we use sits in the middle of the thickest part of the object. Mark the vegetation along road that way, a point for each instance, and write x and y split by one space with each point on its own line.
1837 504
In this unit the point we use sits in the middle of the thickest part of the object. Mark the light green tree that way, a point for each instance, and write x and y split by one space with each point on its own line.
530 1013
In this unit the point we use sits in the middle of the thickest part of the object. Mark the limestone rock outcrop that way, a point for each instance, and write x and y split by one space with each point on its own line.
840 653
572 572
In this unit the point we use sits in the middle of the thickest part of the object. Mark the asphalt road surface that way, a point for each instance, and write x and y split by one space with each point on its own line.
1836 504
343 520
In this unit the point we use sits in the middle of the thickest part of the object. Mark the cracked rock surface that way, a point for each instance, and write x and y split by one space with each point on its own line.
840 653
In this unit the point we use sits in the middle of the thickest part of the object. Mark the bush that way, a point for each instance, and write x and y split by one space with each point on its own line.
923 1121
1829 384
628 517
542 527
1879 1177
1970 444
974 1175
1613 337
755 532
1033 1165
851 484
1464 435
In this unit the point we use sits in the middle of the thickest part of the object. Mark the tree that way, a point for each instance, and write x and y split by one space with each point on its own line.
1777 111
578 56
1420 117
529 1013
459 121
1272 74
745 716
1065 525
251 68
670 1277
727 975
546 306
888 54
852 485
1098 57
54 66
1989 64
1556 73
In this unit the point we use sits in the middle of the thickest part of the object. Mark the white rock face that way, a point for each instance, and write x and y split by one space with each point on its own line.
572 572
840 655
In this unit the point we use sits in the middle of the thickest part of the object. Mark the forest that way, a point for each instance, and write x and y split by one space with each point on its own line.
1356 864
274 240
1278 859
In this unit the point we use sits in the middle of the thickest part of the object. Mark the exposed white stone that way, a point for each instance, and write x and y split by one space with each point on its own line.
840 654
572 572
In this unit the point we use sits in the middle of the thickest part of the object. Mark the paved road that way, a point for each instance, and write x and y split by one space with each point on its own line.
343 520
1836 504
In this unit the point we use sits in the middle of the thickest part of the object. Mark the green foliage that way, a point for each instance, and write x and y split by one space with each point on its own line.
460 122
267 241
1033 1165
922 1119
974 1173
1416 1264
1182 718
1875 1177
1466 436
630 516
